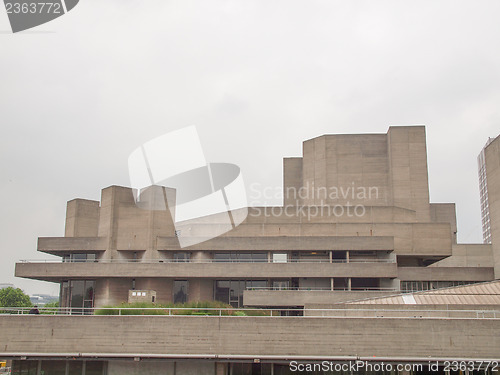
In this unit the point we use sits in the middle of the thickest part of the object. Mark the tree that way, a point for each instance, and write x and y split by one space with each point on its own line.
10 297
52 304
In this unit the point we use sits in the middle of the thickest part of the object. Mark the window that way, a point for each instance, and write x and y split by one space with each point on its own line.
180 291
280 257
79 257
77 293
231 291
181 257
241 257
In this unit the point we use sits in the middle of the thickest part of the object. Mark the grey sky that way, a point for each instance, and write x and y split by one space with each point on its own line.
256 78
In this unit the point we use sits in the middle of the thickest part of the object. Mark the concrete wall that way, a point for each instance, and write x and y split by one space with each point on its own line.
408 169
292 181
284 298
469 255
192 367
283 337
345 162
82 218
445 213
445 273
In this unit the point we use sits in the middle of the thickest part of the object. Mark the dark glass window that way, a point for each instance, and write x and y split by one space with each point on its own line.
78 293
79 257
240 257
54 367
24 367
180 291
75 367
231 291
77 288
181 257
93 368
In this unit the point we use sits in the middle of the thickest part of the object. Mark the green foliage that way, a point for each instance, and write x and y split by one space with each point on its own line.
52 304
188 308
49 308
10 297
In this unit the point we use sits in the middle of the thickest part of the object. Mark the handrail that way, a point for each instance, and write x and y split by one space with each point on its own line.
265 312
208 261
328 289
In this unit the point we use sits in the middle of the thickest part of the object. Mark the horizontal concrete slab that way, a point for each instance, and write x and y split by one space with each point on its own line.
54 245
282 337
304 297
57 271
445 273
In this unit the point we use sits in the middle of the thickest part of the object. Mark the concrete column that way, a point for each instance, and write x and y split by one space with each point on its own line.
349 284
200 290
331 283
82 218
221 368
347 256
201 256
331 256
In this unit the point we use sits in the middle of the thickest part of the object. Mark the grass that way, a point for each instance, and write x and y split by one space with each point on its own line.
188 308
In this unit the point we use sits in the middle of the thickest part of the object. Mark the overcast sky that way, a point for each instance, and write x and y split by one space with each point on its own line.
78 94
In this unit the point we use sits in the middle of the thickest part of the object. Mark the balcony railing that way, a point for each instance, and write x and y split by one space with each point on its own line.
209 261
252 312
326 289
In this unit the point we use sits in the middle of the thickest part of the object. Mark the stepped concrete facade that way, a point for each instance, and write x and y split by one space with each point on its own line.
343 272
356 222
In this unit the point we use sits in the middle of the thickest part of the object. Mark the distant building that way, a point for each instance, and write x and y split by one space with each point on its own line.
483 194
43 299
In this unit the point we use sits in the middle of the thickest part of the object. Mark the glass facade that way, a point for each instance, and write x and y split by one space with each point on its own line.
78 294
416 286
181 257
79 257
180 291
241 257
231 291
58 367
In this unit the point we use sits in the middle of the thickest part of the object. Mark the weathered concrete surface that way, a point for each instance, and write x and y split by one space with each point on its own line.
445 273
54 271
255 336
305 297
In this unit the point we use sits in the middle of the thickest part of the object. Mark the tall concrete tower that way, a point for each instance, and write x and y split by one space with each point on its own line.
492 163
483 194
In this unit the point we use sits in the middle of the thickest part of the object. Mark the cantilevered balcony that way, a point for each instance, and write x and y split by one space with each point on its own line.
57 245
54 271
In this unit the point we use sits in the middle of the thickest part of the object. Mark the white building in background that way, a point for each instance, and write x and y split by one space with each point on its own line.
483 194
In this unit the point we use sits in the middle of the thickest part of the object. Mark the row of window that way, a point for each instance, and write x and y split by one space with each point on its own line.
416 286
58 367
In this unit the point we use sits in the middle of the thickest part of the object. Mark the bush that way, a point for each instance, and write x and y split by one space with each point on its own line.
10 297
188 308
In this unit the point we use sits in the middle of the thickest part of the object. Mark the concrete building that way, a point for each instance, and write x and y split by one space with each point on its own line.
356 221
483 194
356 225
